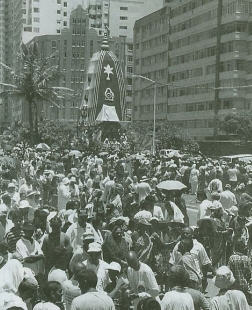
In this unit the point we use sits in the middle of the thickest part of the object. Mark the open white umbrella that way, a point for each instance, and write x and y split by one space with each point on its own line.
171 185
43 147
75 153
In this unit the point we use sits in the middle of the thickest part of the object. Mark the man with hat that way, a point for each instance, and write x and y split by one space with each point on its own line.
11 191
117 282
96 264
81 254
77 229
228 298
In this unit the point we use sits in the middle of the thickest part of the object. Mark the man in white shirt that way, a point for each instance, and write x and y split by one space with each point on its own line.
227 198
96 264
91 298
202 261
76 230
139 273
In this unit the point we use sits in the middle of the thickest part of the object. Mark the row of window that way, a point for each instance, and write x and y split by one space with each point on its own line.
189 6
157 75
155 42
205 35
186 74
191 90
78 20
226 47
79 30
230 65
155 59
228 9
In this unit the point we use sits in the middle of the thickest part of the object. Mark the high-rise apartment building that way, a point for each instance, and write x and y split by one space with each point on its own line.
191 63
151 46
42 17
119 15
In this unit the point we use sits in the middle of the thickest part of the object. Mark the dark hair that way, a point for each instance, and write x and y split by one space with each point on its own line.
87 279
178 276
49 287
240 246
15 213
148 303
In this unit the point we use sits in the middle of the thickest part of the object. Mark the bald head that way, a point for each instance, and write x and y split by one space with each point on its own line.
133 260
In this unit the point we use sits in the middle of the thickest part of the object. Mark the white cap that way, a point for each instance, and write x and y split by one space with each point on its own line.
114 266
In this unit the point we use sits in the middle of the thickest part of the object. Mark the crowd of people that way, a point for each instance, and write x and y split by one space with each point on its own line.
97 232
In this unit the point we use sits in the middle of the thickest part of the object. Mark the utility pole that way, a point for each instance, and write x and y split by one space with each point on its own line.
217 68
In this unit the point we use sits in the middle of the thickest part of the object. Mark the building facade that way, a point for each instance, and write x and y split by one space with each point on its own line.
42 17
191 62
73 49
151 54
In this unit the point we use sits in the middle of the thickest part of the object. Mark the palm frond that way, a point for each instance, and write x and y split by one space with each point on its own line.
11 93
8 85
10 70
62 88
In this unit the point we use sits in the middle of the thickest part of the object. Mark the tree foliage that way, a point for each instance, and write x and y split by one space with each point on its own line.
239 124
167 136
33 82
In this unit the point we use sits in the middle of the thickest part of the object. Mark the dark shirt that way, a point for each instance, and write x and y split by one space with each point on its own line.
199 300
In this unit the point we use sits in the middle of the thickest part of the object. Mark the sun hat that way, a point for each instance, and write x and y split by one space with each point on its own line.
30 193
144 178
24 204
94 247
65 181
11 185
88 236
73 179
114 266
215 205
224 278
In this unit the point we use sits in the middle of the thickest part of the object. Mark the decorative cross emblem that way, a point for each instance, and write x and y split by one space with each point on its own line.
108 70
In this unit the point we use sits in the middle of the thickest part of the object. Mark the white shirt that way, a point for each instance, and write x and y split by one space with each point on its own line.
227 199
75 233
70 291
145 275
174 300
93 301
199 254
46 306
102 273
204 210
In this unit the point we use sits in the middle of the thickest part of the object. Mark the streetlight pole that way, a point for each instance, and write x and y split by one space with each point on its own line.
154 120
154 109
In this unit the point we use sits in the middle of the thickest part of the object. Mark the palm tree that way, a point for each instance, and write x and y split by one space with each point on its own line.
33 83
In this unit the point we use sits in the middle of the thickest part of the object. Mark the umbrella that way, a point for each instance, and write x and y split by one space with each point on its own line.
171 185
43 147
103 153
75 153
